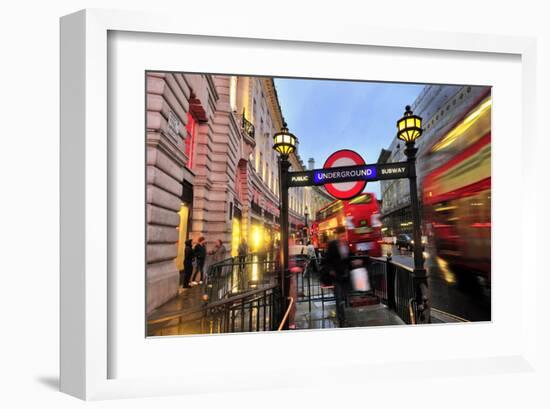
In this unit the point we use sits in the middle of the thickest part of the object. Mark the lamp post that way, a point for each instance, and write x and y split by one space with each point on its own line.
306 214
284 143
409 129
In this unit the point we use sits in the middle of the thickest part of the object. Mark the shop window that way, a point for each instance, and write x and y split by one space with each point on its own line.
235 235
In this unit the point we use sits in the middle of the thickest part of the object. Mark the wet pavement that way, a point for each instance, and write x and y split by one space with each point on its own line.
182 315
323 315
455 295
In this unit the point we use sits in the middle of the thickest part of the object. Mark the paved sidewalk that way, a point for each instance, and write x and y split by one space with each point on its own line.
182 315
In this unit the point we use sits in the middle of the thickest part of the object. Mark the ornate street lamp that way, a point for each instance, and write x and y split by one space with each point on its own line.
409 129
285 144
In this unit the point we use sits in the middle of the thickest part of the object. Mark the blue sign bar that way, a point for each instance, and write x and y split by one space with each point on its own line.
372 172
344 174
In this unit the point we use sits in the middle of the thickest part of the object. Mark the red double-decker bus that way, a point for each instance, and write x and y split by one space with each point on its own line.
360 217
457 193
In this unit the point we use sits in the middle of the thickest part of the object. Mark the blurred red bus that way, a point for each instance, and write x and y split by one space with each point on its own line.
457 193
360 217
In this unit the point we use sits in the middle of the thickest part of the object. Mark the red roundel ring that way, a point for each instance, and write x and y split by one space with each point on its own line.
352 189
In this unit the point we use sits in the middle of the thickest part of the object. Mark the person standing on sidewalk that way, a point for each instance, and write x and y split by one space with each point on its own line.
219 252
337 264
242 251
200 257
188 263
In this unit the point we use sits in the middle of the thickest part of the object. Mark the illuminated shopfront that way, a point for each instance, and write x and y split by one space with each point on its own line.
184 222
182 234
257 238
235 236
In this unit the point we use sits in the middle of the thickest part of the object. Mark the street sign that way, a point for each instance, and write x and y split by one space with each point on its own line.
301 178
366 173
345 188
344 174
395 170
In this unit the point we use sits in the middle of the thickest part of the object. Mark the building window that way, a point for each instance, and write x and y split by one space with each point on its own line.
190 139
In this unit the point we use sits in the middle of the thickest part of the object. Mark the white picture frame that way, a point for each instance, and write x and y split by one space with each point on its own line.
86 301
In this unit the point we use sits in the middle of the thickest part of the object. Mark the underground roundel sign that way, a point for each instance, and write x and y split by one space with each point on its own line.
344 190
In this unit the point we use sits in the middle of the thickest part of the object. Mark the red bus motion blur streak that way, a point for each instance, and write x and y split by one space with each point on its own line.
360 217
457 193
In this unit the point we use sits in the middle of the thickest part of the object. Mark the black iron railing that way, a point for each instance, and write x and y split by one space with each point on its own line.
248 127
239 274
310 289
255 310
393 284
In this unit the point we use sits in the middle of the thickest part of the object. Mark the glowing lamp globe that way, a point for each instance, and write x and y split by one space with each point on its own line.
284 142
409 127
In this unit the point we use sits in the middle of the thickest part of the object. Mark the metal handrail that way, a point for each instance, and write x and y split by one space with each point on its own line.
235 259
226 313
239 297
285 317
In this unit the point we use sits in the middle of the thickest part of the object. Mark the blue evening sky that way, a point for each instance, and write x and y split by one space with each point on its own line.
330 115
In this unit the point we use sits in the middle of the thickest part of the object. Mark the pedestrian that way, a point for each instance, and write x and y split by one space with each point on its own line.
336 262
242 252
188 263
271 251
312 256
200 256
277 254
219 252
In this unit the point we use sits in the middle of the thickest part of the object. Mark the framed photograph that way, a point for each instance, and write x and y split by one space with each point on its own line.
237 199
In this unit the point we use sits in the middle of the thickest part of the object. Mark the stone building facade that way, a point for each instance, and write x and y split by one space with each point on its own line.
440 106
211 170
